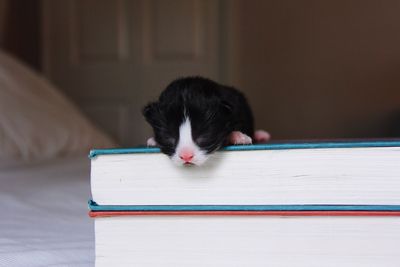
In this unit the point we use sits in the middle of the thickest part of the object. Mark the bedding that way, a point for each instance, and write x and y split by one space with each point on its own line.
37 122
44 172
43 214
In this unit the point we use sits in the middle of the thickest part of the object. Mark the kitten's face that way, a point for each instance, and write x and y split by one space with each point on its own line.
189 134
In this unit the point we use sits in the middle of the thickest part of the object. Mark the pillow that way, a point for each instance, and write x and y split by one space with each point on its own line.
37 122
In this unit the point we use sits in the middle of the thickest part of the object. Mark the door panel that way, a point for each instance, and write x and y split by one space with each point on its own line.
112 57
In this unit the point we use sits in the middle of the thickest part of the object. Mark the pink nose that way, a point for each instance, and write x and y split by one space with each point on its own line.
186 155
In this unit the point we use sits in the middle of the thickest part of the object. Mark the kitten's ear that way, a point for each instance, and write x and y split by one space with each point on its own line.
152 112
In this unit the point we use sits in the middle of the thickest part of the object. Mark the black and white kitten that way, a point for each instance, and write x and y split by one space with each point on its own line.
195 116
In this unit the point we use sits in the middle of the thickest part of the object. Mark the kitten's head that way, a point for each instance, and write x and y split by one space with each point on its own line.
190 121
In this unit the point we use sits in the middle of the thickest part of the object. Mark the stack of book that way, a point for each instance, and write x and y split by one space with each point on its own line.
333 203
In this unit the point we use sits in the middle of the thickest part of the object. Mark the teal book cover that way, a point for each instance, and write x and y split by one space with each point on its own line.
96 211
310 144
93 206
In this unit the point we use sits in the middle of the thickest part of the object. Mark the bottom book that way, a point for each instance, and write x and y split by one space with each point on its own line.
234 239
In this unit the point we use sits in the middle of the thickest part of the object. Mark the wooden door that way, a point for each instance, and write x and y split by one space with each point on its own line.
113 56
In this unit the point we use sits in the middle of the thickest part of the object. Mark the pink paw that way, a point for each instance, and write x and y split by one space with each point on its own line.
239 138
261 136
151 142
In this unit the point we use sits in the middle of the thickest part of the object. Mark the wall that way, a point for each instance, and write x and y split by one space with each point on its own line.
321 69
3 7
21 30
311 69
114 57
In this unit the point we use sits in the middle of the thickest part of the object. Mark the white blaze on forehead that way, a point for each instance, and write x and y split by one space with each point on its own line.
186 142
185 134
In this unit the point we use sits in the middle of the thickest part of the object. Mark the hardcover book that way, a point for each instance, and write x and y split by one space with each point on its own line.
333 203
215 239
330 173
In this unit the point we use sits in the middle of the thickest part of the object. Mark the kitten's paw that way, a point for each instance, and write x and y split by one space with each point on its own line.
151 142
261 136
239 138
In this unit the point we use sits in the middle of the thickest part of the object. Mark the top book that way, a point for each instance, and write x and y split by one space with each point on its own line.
357 172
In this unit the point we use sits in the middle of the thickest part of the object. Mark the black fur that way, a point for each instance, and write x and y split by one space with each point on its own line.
214 110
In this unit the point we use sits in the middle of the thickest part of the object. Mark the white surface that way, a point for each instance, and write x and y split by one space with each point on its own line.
43 215
37 122
247 241
299 176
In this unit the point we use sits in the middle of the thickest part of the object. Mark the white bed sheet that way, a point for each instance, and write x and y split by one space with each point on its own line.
43 215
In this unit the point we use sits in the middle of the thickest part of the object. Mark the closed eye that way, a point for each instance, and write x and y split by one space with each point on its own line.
165 139
202 140
168 140
207 143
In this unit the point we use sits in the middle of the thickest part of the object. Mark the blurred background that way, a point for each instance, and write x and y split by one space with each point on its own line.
310 68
